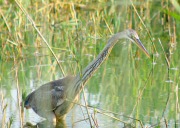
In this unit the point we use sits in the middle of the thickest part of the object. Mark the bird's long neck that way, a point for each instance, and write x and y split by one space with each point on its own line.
90 69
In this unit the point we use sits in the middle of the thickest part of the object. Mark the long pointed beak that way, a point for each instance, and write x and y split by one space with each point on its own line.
141 46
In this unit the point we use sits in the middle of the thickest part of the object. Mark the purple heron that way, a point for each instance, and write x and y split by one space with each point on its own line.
50 100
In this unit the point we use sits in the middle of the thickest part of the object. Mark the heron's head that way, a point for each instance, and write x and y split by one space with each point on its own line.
133 36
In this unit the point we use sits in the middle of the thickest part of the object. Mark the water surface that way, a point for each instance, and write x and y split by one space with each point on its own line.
129 89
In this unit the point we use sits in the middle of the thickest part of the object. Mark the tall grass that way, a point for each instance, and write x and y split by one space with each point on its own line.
128 83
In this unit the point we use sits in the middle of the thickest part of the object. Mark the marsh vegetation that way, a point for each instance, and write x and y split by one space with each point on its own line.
129 89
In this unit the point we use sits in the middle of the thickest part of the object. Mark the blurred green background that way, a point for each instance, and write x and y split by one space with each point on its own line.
127 85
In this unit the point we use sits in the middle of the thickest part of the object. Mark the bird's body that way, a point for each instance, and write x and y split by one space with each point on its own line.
55 99
48 97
